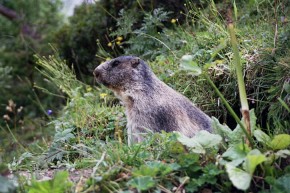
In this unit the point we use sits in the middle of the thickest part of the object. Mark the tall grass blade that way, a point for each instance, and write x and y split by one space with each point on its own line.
239 72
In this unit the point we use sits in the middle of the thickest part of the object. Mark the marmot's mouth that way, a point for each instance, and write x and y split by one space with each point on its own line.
106 84
101 81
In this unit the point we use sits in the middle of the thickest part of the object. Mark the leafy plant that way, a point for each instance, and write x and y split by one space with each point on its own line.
6 185
84 116
239 154
5 75
144 40
201 141
58 184
59 73
280 184
142 183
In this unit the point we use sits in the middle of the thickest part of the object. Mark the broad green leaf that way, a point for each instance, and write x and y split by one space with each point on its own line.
58 184
236 162
192 143
210 174
142 183
163 168
61 181
262 137
238 135
155 168
222 130
203 139
188 160
188 64
284 182
42 186
192 186
254 158
281 141
282 153
145 170
175 147
238 151
169 168
6 185
206 139
279 185
240 179
64 135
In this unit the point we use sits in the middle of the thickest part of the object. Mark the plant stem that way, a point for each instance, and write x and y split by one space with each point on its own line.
14 138
240 78
229 108
276 27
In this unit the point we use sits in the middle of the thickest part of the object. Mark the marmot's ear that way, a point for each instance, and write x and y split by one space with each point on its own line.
135 62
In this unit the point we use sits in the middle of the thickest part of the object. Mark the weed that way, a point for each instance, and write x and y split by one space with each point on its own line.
58 184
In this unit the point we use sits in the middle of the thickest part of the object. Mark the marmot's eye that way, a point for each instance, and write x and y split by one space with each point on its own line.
115 63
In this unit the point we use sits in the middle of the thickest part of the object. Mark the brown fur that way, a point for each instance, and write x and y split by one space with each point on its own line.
150 104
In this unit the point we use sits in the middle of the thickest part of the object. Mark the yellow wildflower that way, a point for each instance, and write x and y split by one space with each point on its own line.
119 38
118 42
219 61
89 89
103 95
173 20
110 44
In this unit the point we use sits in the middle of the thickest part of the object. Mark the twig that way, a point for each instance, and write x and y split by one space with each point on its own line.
164 189
276 28
8 13
98 163
258 177
182 184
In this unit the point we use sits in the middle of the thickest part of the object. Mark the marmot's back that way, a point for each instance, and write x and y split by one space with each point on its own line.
150 103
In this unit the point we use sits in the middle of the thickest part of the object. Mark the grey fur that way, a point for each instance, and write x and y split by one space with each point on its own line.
150 104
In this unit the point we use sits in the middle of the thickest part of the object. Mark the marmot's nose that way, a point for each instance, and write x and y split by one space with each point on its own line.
97 73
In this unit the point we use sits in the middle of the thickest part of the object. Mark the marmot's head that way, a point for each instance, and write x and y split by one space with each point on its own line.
123 72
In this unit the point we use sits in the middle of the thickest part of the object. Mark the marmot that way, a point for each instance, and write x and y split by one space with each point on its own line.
149 102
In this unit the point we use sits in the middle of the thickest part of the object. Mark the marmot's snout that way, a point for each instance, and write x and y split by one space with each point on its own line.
118 72
97 73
